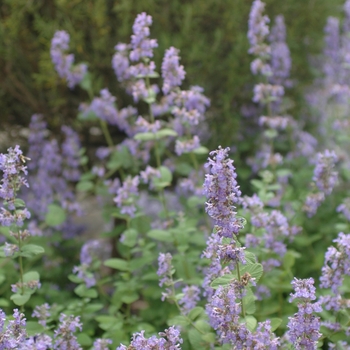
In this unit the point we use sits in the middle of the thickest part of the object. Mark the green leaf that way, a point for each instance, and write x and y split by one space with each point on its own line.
84 339
92 308
251 322
249 257
222 281
271 133
20 299
4 302
33 327
209 338
196 339
85 292
145 136
255 270
165 178
109 323
203 325
55 215
257 184
129 298
249 302
85 186
288 260
118 264
275 323
201 150
74 278
160 235
165 133
130 237
19 203
31 250
86 82
179 320
90 115
31 276
2 278
195 313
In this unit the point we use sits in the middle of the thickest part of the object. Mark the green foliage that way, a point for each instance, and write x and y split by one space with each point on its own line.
210 34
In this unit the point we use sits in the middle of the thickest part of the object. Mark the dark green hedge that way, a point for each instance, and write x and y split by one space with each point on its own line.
211 35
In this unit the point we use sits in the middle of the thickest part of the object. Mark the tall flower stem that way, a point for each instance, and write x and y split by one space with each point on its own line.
239 279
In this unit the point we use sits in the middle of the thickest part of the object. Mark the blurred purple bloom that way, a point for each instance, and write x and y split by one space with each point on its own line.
172 72
141 45
258 29
74 74
42 312
102 344
170 339
126 194
190 298
280 55
337 263
324 176
186 146
312 202
64 334
344 208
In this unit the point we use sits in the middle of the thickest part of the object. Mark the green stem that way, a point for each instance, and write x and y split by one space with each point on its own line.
239 279
106 133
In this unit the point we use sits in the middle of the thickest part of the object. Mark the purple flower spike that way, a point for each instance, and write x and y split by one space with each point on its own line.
172 72
304 326
141 45
222 192
64 62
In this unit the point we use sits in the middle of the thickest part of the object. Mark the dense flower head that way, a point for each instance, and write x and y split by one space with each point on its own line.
324 176
222 192
64 62
82 272
42 312
164 268
280 55
141 45
344 208
15 333
120 62
337 263
170 339
173 74
12 166
126 194
258 29
304 326
94 249
70 152
264 93
64 334
304 289
191 296
102 344
104 108
312 202
332 49
186 146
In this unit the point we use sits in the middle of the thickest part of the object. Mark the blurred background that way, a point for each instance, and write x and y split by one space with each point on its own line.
210 34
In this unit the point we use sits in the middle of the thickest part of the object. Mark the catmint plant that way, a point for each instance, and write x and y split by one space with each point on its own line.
13 214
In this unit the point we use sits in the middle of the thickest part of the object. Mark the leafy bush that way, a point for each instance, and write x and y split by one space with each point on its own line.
179 264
